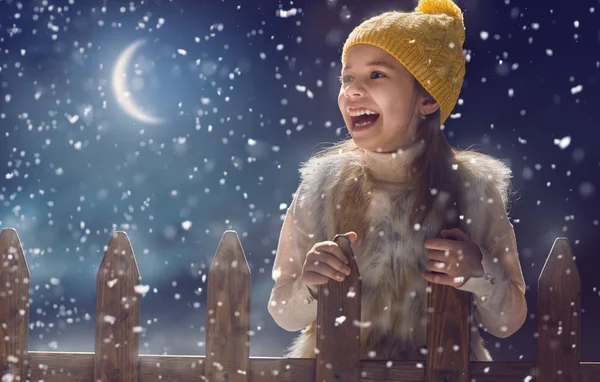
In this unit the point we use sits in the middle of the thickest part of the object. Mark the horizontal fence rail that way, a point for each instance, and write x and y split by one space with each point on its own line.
116 358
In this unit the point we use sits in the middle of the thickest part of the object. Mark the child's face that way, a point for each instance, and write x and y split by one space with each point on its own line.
374 81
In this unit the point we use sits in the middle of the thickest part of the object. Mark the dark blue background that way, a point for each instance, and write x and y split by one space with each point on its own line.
148 179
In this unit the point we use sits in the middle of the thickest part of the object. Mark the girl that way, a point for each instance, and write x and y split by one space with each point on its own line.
409 203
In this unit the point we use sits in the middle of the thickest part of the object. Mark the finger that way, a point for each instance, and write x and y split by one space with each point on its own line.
441 244
334 249
455 233
438 255
315 278
326 258
443 279
352 236
437 266
320 273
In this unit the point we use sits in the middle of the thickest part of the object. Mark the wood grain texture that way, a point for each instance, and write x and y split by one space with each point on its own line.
448 334
78 367
338 324
228 313
117 313
14 307
559 316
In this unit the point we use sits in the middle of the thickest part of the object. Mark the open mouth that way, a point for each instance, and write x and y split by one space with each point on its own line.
364 121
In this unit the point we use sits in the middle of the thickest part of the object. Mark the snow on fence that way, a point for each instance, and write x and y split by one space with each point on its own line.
227 357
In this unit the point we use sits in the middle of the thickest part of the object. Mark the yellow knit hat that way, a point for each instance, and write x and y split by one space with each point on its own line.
427 42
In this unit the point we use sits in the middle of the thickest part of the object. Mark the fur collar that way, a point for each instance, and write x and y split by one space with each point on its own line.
338 194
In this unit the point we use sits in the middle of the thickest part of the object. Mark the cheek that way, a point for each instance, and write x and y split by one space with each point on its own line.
392 110
340 99
397 106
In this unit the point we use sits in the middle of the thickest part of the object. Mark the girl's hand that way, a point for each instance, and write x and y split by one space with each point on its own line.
325 261
455 257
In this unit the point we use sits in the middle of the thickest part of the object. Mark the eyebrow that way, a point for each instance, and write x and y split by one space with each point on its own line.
374 63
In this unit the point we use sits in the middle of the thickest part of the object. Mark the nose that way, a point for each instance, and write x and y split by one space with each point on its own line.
353 89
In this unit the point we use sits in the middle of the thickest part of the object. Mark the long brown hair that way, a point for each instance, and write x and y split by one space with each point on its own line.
434 173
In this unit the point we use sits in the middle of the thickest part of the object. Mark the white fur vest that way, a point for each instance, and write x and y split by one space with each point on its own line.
389 251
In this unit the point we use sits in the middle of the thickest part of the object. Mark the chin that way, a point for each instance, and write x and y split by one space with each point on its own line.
365 142
366 145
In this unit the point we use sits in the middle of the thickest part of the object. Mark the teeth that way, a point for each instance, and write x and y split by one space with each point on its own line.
361 124
356 113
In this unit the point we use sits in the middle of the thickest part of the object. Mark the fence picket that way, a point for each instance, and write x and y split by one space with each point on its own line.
117 313
228 313
338 324
227 345
14 307
559 316
448 327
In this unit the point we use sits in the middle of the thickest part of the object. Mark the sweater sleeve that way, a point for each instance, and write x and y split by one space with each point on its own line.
291 304
500 305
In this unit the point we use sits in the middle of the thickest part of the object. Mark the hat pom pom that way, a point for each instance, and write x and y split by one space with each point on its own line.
434 7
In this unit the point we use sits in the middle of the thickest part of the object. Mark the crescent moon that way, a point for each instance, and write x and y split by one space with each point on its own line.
123 97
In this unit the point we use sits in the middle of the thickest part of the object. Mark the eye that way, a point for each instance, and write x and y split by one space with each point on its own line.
377 75
346 78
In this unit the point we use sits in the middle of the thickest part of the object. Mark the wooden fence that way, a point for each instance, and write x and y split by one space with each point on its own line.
227 358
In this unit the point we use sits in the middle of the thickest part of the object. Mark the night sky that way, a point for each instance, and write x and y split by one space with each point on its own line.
246 91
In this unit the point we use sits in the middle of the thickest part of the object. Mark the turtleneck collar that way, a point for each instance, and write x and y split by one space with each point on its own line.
390 167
